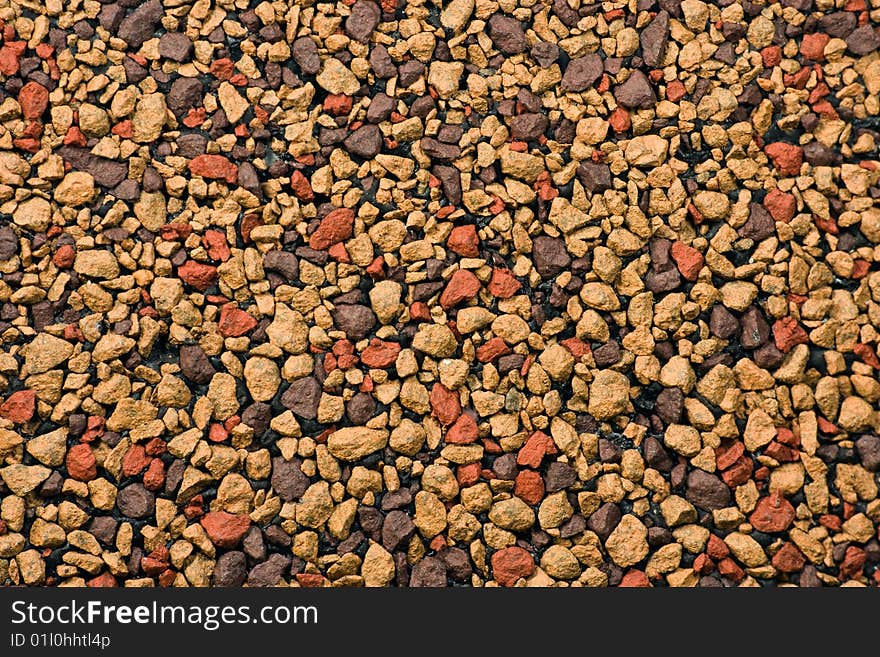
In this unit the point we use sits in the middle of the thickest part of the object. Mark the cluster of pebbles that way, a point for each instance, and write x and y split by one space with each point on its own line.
427 293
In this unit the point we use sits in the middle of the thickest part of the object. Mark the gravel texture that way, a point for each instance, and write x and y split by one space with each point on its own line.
466 293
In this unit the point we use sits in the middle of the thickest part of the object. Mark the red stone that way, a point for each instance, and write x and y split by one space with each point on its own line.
703 564
310 580
420 312
376 269
787 437
853 563
463 431
689 260
94 429
576 347
781 205
827 427
492 349
338 104
300 186
464 241
19 407
339 253
235 322
675 91
175 231
726 456
222 69
123 129
503 284
532 453
75 137
468 474
198 275
788 559
9 60
102 581
787 158
619 120
34 99
337 226
634 579
81 463
445 404
529 487
867 354
772 514
462 286
729 569
195 117
156 447
782 453
739 473
813 46
154 477
215 243
225 529
511 563
771 56
44 50
831 522
135 461
716 548
860 270
826 225
787 333
214 167
380 354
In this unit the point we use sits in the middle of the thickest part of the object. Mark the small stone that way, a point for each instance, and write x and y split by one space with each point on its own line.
364 18
354 443
507 34
706 491
627 545
609 395
226 530
135 501
772 514
582 73
511 564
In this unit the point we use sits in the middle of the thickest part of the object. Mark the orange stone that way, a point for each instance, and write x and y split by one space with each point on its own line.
225 529
529 487
464 241
19 406
234 322
380 354
445 404
532 453
510 564
503 284
197 274
463 431
462 286
33 99
81 464
337 226
214 167
787 158
813 46
787 333
772 514
689 260
781 205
